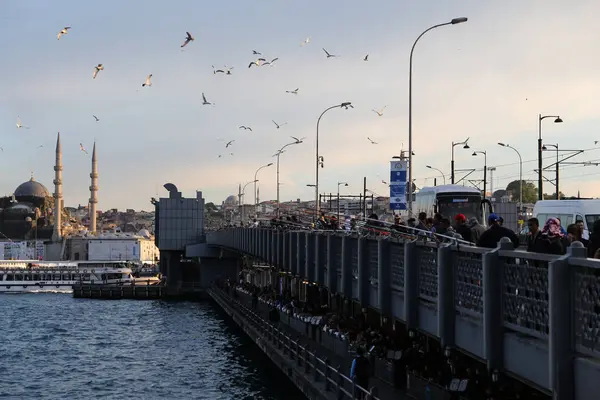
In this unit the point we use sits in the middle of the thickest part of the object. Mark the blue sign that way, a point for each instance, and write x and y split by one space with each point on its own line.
398 179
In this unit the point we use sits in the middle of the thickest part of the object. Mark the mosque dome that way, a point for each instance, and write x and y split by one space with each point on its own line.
231 201
31 188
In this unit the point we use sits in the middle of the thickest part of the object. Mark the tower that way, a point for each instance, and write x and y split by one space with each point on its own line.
93 191
57 234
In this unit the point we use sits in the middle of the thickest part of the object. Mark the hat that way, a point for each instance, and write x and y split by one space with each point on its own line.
493 218
460 218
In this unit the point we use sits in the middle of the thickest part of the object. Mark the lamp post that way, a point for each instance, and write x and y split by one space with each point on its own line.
319 159
438 170
545 147
278 154
465 144
256 180
557 120
243 216
520 175
484 169
410 150
338 198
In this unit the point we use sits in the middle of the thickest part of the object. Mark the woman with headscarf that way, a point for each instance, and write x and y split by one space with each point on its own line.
552 239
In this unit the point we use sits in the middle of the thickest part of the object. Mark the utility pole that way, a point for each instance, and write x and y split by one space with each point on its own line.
492 169
365 197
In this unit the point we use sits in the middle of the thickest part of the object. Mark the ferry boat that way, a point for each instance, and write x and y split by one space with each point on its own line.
19 276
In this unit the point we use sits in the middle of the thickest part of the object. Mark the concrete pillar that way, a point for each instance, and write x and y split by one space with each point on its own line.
346 267
493 324
309 259
446 310
561 340
364 284
411 284
331 279
384 278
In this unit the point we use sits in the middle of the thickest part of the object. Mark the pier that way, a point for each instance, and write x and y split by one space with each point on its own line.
525 315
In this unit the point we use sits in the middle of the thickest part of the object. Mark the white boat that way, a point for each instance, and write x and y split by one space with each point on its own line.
20 276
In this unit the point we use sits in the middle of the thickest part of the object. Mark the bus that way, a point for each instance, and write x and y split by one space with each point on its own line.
450 200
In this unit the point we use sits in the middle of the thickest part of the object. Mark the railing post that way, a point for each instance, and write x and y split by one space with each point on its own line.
493 332
346 267
340 384
298 356
300 253
411 284
384 277
364 284
320 249
309 258
372 393
327 374
306 360
270 246
285 245
561 340
279 259
331 280
446 306
292 250
315 367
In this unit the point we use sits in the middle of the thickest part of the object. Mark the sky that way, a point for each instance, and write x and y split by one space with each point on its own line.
487 79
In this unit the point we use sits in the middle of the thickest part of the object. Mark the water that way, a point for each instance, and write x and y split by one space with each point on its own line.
53 347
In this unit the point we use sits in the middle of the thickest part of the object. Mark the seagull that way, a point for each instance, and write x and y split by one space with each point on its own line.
258 62
64 31
204 101
229 143
306 41
97 69
19 124
96 118
295 91
372 141
230 154
226 71
595 142
2 148
380 112
82 148
256 52
40 146
298 140
148 81
366 58
329 55
220 155
270 62
279 125
188 38
384 182
246 128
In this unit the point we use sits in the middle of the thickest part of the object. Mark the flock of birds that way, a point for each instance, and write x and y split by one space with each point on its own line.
260 61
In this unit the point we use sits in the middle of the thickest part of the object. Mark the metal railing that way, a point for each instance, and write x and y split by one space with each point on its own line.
319 369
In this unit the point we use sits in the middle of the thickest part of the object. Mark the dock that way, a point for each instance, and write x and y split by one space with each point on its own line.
184 291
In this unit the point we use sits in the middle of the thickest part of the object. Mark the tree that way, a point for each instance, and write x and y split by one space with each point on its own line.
529 191
552 196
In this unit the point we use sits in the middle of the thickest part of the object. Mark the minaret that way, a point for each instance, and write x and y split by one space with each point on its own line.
93 191
57 234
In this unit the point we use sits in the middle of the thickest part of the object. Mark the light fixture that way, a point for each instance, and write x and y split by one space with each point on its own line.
466 146
459 20
558 120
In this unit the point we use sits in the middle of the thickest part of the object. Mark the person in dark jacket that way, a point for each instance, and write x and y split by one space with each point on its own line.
492 236
552 240
360 371
461 227
594 243
476 229
534 232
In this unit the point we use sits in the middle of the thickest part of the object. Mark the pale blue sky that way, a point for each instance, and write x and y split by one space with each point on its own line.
487 79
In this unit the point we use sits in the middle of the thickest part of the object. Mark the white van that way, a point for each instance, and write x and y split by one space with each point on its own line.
568 211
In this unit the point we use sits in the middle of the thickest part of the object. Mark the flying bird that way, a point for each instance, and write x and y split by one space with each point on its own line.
384 182
1 148
148 81
82 148
258 62
97 69
366 58
372 141
595 142
246 128
256 52
295 91
380 112
188 38
230 154
298 140
19 125
204 101
328 54
63 31
40 146
229 143
220 155
96 118
226 71
305 42
279 125
270 62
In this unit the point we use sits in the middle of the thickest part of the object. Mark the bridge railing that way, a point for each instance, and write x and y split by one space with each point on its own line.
436 287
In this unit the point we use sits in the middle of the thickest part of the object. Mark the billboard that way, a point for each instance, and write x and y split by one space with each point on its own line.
398 179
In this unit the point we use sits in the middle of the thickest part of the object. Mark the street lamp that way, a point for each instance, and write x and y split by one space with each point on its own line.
438 170
256 180
319 160
520 175
465 144
484 169
410 149
338 198
545 147
557 120
242 214
279 152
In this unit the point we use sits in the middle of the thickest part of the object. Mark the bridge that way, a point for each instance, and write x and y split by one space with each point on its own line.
534 316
